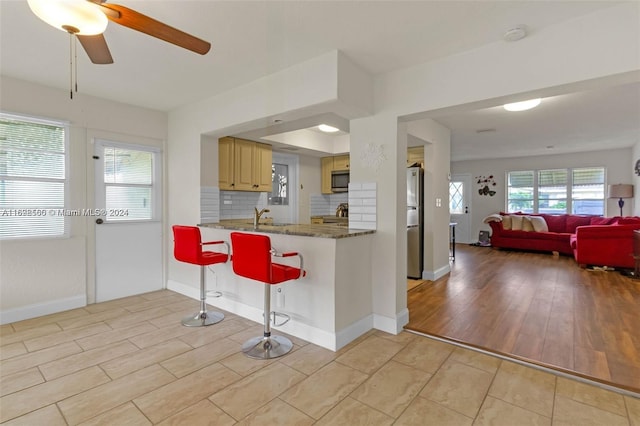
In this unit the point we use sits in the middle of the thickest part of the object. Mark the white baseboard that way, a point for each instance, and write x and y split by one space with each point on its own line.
353 331
391 325
326 339
295 328
40 309
438 273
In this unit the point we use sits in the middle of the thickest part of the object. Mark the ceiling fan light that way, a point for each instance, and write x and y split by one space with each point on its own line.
327 129
522 106
80 14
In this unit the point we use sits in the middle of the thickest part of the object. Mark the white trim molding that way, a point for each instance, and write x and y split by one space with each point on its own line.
326 339
44 308
437 274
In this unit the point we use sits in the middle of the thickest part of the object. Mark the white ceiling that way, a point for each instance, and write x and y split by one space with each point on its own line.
251 39
594 120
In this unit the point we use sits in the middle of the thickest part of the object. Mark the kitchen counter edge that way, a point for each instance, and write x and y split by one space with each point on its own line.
300 230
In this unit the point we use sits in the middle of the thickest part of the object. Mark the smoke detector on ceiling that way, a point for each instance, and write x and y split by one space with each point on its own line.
516 33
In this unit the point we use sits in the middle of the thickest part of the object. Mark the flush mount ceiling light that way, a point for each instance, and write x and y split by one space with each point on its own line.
522 106
327 129
80 17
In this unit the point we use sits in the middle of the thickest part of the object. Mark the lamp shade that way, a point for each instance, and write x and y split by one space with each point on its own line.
621 190
83 16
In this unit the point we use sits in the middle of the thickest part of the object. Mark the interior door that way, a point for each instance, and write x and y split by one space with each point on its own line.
460 206
128 222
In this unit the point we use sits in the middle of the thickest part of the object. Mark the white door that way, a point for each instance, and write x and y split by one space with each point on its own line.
128 220
283 199
460 206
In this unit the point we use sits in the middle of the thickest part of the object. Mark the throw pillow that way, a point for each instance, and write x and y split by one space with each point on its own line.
556 223
526 224
629 221
506 223
539 224
574 221
596 220
516 223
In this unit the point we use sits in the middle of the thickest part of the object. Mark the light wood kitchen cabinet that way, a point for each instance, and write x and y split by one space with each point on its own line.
262 163
244 165
327 168
328 165
225 163
415 154
341 162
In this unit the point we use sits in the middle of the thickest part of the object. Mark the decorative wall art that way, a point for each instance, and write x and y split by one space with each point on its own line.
486 185
373 156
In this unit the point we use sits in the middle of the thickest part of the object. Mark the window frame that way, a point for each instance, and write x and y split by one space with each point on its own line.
66 125
156 183
569 188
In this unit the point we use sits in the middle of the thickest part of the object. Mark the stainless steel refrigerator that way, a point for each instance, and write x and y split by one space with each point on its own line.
415 219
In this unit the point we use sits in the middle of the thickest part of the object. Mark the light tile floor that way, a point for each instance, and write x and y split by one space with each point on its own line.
129 361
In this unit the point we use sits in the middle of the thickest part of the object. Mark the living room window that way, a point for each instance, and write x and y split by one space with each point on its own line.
588 191
552 191
33 177
557 191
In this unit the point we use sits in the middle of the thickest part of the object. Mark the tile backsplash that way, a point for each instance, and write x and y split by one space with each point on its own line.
209 204
363 205
326 204
240 205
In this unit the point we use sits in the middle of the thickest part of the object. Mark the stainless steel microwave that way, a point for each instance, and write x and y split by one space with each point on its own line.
340 180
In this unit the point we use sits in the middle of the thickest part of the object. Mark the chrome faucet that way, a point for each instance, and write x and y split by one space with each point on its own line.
257 215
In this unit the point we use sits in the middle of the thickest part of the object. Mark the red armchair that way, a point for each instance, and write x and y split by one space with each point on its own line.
604 245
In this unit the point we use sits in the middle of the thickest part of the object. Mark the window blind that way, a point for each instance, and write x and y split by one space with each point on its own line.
33 158
128 180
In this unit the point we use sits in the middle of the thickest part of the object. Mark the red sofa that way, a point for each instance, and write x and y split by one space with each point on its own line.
592 240
606 245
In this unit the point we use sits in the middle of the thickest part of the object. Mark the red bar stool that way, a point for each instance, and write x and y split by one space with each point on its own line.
252 259
188 248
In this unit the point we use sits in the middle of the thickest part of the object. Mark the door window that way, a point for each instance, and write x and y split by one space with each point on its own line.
130 191
456 197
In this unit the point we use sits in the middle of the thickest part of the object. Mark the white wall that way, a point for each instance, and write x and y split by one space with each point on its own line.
40 276
616 162
309 173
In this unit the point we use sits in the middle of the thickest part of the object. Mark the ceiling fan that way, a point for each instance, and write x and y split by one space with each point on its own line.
87 20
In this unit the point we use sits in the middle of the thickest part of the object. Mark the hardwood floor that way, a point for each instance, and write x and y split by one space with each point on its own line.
536 307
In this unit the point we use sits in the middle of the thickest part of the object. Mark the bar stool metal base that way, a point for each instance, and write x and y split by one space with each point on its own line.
201 319
266 347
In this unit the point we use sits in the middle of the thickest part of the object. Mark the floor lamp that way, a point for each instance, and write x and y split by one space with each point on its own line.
621 191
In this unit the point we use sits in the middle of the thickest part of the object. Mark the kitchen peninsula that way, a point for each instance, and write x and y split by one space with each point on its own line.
330 307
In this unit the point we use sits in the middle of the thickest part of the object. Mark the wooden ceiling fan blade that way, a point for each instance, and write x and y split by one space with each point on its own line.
96 47
139 22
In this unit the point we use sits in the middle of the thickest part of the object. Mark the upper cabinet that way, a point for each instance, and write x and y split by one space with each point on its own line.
329 164
341 162
327 168
244 165
415 154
